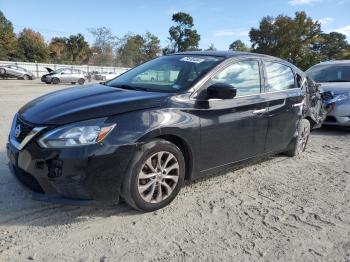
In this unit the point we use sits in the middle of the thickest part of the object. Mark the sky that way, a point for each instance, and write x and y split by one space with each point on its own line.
218 22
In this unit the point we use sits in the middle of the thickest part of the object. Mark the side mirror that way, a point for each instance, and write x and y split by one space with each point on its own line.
221 91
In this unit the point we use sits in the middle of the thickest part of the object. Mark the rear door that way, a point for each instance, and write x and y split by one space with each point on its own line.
66 76
234 129
76 74
285 101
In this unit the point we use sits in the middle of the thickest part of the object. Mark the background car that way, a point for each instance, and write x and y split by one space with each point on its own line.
106 76
64 75
334 78
15 71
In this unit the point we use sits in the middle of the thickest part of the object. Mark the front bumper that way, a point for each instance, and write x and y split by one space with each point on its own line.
340 115
82 173
45 79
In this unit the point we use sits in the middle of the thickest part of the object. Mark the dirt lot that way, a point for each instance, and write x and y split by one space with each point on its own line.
282 209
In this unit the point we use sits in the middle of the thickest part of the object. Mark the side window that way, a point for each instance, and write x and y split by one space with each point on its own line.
244 76
279 77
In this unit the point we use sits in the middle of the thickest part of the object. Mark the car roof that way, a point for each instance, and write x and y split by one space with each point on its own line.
226 54
229 54
335 62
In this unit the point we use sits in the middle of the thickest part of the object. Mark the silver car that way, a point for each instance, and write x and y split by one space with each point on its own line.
334 78
65 75
7 71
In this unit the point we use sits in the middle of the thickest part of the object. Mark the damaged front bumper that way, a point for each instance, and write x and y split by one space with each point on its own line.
88 174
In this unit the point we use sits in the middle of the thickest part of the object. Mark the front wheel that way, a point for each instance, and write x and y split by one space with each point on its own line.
81 81
155 176
299 144
2 71
55 81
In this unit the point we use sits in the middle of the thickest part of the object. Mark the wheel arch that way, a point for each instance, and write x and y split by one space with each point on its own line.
180 142
185 149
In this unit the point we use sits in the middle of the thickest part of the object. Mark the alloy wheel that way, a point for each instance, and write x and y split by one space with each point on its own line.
158 177
303 138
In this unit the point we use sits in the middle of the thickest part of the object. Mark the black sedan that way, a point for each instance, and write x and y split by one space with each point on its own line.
140 138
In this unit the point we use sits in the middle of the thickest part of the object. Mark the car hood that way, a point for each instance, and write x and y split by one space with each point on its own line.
335 87
49 69
87 102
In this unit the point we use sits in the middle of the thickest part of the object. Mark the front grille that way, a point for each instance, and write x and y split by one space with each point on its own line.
331 119
327 95
25 129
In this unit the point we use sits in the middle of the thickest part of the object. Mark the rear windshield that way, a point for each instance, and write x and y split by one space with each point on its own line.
330 73
167 74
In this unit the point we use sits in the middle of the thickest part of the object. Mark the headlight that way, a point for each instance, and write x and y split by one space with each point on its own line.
78 134
342 96
338 97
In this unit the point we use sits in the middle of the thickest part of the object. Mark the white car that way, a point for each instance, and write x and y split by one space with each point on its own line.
106 76
64 75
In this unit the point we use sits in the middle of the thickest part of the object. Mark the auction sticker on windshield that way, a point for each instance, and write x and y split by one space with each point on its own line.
196 60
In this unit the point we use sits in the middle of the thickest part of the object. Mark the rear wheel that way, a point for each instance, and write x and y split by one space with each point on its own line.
299 144
26 77
155 176
55 81
81 81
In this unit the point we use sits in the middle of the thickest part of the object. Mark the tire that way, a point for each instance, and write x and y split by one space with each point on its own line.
147 198
81 81
299 143
55 81
2 72
26 77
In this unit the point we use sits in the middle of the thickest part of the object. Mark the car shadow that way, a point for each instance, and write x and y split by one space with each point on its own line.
331 131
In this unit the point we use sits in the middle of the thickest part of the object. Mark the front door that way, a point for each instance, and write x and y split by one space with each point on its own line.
234 129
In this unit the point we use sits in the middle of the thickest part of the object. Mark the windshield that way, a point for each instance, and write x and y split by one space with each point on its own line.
59 70
167 74
330 73
21 68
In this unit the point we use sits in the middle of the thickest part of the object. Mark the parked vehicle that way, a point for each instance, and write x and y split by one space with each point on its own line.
142 140
64 75
8 71
334 78
98 75
106 76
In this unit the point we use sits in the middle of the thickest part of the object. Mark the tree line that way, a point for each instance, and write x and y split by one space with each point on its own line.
298 39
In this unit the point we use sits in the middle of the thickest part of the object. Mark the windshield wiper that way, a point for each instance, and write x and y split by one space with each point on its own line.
128 87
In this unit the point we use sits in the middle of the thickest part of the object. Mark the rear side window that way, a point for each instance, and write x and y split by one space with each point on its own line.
279 77
244 76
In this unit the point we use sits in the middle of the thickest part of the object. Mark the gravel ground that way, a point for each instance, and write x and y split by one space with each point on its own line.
280 209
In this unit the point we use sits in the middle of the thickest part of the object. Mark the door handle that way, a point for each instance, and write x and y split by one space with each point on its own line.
260 111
